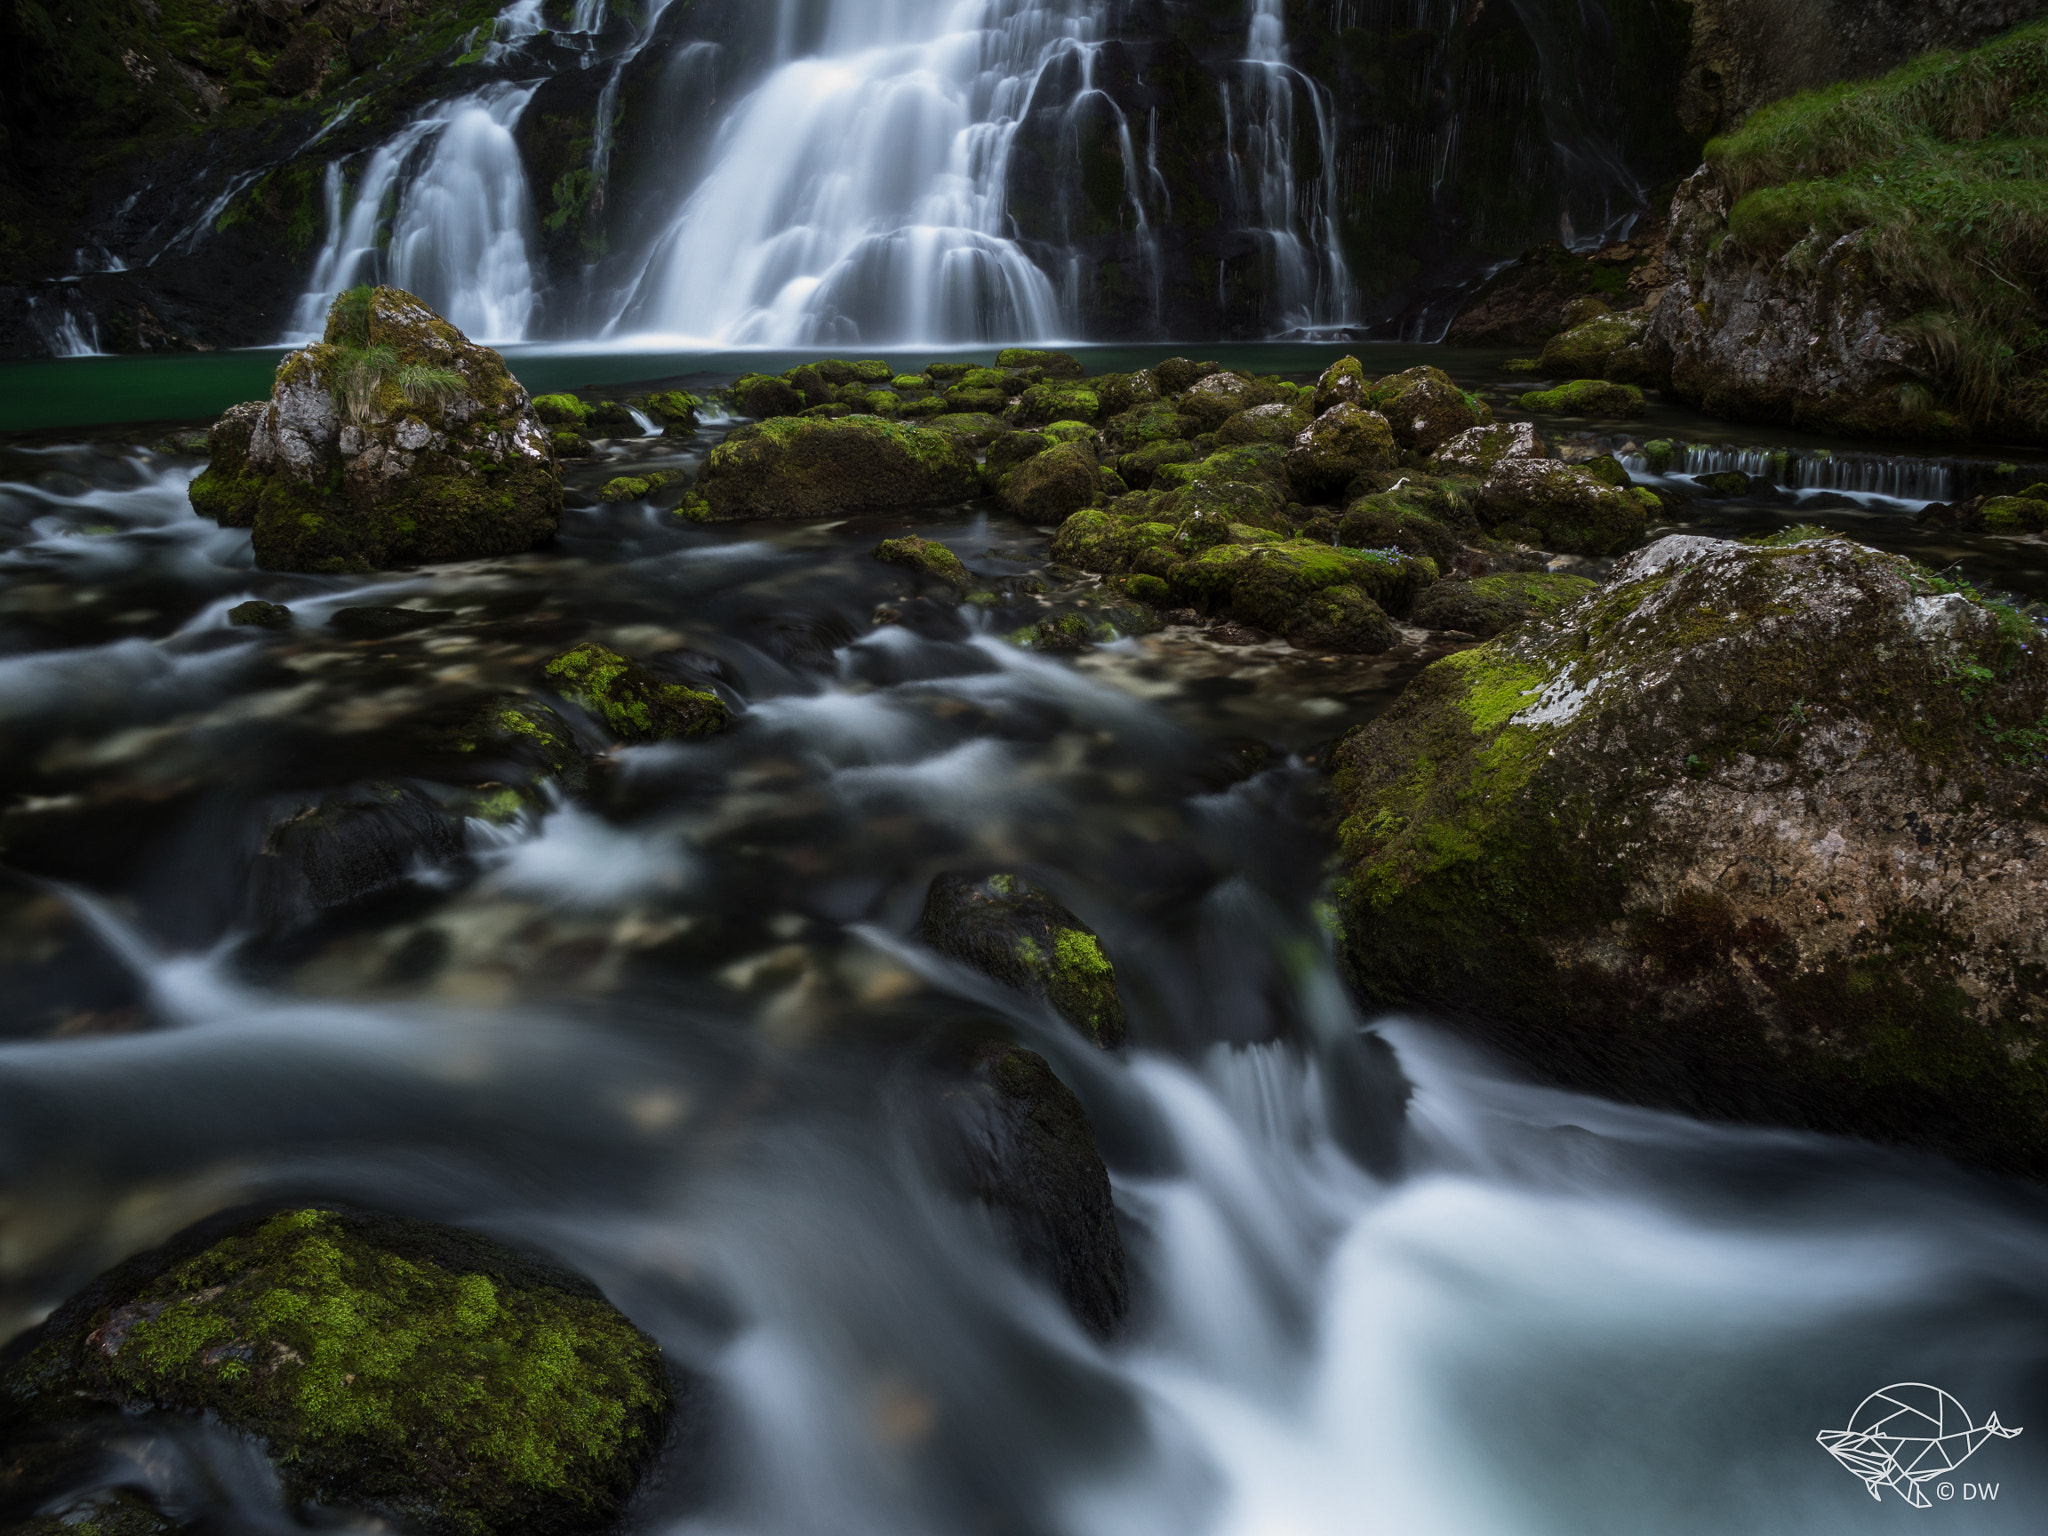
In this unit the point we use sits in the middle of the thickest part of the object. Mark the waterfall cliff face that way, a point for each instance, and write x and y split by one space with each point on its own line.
842 172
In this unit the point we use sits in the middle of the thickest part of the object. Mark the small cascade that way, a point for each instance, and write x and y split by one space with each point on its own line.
857 194
440 209
66 327
1308 285
1846 473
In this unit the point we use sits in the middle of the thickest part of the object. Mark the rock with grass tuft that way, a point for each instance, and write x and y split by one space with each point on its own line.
392 441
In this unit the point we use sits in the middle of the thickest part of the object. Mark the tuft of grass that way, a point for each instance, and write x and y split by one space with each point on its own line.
359 375
352 307
424 384
1942 168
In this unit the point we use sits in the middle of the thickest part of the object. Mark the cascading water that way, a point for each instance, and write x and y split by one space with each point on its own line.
1308 284
857 193
440 209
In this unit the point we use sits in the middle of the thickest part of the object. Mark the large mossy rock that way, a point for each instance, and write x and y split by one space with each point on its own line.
1052 485
1014 933
417 1373
1425 408
1338 447
1753 831
391 441
1490 604
807 467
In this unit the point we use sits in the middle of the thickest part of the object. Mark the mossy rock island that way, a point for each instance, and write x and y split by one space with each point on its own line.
419 1374
634 703
394 440
1756 831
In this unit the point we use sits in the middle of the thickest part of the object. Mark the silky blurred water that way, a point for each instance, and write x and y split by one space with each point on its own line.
659 1031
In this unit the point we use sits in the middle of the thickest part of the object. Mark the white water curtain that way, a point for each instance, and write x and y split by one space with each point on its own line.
857 194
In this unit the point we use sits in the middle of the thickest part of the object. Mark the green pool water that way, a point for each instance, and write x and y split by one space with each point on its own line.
43 394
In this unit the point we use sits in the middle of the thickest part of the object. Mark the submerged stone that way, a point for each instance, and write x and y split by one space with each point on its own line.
1016 934
633 703
393 440
378 623
1752 831
416 1373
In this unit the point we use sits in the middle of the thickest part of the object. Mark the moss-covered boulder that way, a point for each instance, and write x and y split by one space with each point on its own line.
418 1374
1051 486
1014 933
1141 466
561 410
1425 408
1051 365
1338 447
763 396
1263 463
1343 382
227 490
1478 449
393 440
2014 514
1275 423
927 557
1489 604
1416 524
633 702
1587 397
1583 351
1754 830
636 487
1215 398
798 467
1564 508
1044 403
1152 421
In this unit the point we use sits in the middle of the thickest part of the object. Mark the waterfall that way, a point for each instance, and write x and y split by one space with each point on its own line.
440 209
1309 285
857 194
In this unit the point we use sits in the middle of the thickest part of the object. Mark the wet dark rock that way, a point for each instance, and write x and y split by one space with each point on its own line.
261 614
1722 836
1729 482
1015 933
1018 1140
342 850
391 441
416 1373
378 623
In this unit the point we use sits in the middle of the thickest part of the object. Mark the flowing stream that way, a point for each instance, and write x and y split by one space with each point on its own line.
659 1031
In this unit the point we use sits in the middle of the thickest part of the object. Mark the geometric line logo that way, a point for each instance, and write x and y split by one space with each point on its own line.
1906 1435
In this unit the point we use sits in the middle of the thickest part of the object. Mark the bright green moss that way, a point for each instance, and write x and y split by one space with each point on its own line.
469 1403
634 703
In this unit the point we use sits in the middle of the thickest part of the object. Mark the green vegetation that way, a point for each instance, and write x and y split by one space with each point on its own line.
1943 167
632 701
1587 397
414 1370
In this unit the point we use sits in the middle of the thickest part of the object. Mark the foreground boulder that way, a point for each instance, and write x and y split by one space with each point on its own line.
391 441
1752 831
1016 934
417 1373
812 467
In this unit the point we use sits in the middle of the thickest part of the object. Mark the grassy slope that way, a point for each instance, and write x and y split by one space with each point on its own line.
1945 163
